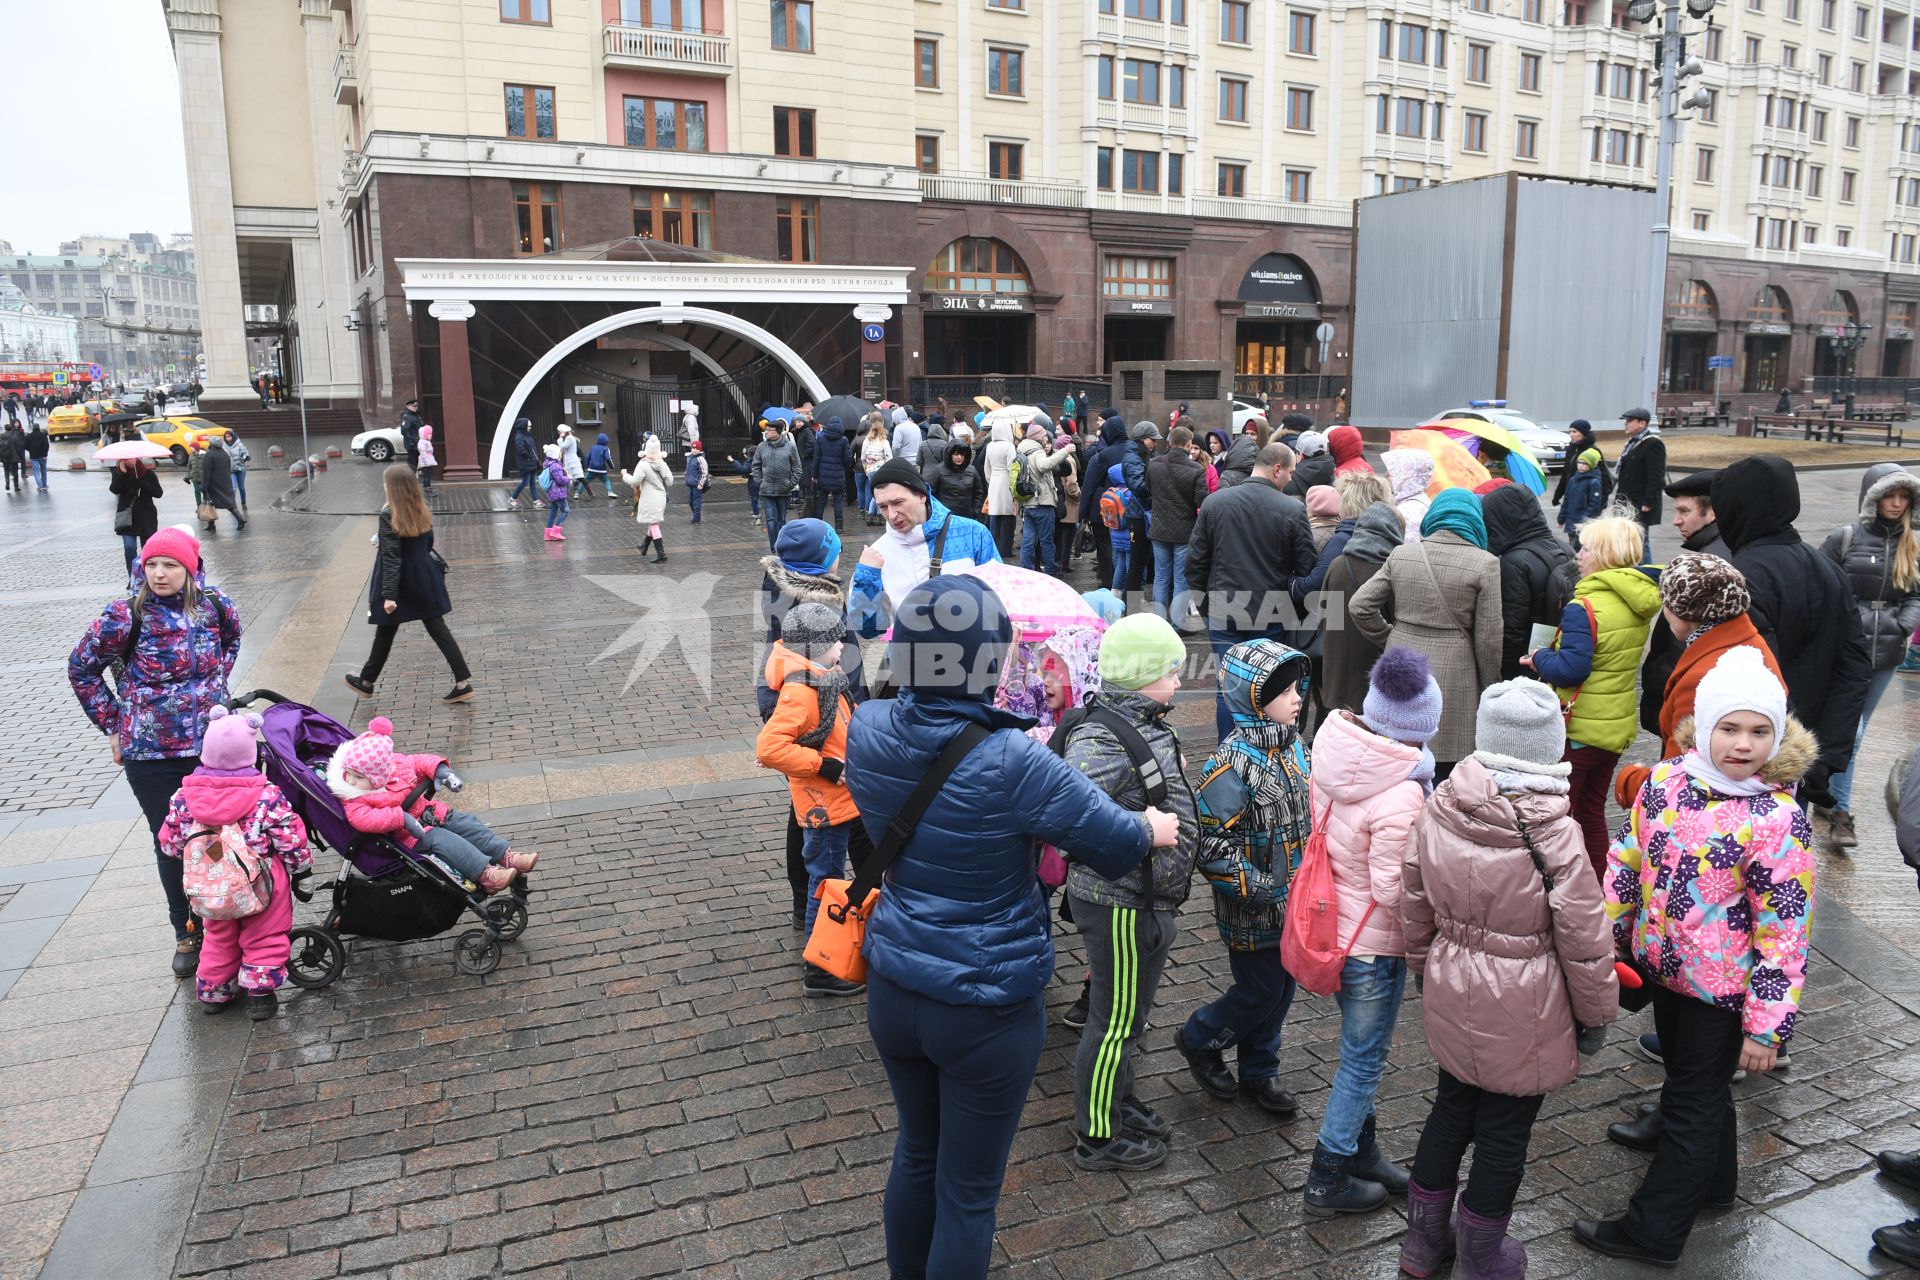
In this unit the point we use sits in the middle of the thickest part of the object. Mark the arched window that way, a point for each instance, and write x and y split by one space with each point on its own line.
1693 300
978 264
1840 310
1770 307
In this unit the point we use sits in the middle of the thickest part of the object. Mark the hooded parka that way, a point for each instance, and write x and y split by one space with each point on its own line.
1888 613
1530 556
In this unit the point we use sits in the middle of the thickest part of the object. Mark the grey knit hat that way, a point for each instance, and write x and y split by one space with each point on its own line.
812 628
1144 430
1521 719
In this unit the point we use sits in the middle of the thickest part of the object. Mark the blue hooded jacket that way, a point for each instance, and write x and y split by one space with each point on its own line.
967 540
832 456
1113 443
961 917
599 458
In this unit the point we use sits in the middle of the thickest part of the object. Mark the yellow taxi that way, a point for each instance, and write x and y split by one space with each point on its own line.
69 420
177 435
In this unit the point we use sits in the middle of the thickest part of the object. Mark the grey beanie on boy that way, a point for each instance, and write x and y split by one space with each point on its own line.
1521 719
812 627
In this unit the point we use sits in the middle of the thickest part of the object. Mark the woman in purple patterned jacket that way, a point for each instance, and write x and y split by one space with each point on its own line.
177 638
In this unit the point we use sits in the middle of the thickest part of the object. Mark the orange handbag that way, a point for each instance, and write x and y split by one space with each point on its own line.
838 941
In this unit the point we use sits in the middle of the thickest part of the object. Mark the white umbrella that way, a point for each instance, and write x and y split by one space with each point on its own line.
1016 416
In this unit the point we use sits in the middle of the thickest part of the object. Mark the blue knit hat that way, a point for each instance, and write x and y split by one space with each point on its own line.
950 639
1403 698
810 547
1456 511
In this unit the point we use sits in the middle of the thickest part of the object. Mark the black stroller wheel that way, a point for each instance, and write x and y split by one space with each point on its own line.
508 916
316 959
476 953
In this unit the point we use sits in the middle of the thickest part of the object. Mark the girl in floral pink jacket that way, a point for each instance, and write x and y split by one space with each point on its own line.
1710 889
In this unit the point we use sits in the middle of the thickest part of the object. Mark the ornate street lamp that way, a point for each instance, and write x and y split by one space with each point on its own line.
1847 340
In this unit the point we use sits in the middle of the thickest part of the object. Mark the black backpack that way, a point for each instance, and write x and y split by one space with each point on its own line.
1152 776
1562 578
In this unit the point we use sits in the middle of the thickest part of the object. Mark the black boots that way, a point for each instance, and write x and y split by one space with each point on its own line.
1208 1068
1270 1097
1642 1133
262 1005
1330 1191
646 545
1371 1164
659 550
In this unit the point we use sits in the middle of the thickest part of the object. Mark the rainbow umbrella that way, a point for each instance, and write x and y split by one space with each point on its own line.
1522 467
1454 466
1038 603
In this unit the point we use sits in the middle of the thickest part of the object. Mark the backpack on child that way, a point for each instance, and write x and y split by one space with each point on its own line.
543 482
1113 506
1310 947
223 878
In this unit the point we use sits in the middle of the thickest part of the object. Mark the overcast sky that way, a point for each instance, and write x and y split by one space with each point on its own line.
90 83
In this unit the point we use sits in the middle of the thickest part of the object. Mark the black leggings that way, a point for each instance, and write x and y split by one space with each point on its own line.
153 783
384 633
1496 1125
1002 528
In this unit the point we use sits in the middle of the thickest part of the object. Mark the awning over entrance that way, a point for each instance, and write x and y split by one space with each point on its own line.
1279 287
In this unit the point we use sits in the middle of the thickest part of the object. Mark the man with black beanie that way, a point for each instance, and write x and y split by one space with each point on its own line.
922 539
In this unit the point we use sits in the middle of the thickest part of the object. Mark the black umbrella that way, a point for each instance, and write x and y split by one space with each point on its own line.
851 411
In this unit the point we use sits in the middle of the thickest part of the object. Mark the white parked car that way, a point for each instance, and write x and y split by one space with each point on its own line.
381 444
1245 411
1549 444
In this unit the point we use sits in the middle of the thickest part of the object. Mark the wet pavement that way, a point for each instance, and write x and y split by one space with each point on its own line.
640 1089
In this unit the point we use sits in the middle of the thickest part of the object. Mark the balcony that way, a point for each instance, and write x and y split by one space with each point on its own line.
1143 32
1050 195
700 53
1112 114
346 84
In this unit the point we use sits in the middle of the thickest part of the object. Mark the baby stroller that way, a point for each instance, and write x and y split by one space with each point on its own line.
383 891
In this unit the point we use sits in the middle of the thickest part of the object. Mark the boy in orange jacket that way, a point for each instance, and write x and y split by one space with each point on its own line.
806 739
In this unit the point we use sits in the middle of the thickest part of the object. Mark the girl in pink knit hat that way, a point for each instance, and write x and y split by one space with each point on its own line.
373 783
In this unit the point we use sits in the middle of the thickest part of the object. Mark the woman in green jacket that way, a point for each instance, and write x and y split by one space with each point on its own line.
1594 664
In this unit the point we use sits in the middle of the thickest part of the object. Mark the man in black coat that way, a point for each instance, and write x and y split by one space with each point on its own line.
1802 607
410 424
1178 485
1249 544
1641 473
1536 571
831 469
1692 496
216 482
1316 465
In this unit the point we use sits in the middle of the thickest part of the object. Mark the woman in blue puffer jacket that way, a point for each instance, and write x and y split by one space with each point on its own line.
958 950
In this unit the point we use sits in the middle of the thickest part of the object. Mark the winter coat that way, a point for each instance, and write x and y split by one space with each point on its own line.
600 457
1674 693
427 457
776 467
1595 675
1442 597
1801 605
832 458
1582 502
1641 475
526 454
212 798
1133 469
1713 894
966 540
998 456
13 449
814 775
933 452
1308 472
1529 556
1330 550
697 471
1179 486
1903 806
37 442
407 572
137 489
1046 469
961 917
960 488
410 424
1161 882
1113 443
237 451
907 438
1236 464
1248 541
1579 443
1864 550
1345 444
1347 655
1250 865
216 478
384 811
650 480
780 589
570 455
177 672
1365 801
1510 969
559 484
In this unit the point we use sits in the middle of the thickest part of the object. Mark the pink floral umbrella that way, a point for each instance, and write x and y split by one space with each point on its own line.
1038 603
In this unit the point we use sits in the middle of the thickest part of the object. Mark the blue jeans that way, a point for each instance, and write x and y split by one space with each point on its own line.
753 498
1369 999
1170 578
239 484
1842 783
839 497
1223 640
526 482
824 850
1036 538
1249 1014
1121 544
40 476
863 491
774 511
959 1075
129 547
557 509
466 844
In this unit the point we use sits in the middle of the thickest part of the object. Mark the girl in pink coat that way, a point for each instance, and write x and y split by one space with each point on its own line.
1371 774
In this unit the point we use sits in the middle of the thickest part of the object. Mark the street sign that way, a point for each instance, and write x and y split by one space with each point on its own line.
59 377
1324 334
873 333
97 372
1719 362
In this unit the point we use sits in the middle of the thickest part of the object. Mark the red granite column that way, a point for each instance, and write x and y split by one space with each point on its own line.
459 446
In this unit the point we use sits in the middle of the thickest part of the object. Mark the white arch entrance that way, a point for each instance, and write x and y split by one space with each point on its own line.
789 360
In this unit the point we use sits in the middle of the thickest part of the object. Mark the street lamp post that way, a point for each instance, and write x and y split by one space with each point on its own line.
1848 339
106 322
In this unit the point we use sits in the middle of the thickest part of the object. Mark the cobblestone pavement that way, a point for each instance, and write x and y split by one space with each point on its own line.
641 1090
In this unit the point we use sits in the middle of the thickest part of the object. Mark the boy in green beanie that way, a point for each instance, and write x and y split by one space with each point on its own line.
1128 923
1583 500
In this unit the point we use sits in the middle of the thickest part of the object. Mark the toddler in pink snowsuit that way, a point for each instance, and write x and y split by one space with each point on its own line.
248 954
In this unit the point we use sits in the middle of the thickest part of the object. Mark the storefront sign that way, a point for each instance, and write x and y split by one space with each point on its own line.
1899 335
1769 330
979 302
1279 277
1692 324
586 391
1139 306
1280 311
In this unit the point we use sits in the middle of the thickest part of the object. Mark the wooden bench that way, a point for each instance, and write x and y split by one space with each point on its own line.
1886 431
1698 415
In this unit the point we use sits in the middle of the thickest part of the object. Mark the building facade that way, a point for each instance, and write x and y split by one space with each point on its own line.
32 336
134 302
1071 182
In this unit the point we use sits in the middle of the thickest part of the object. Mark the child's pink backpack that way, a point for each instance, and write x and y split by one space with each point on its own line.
224 879
1310 946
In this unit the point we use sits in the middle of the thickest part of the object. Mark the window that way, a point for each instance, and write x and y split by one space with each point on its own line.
1906 192
532 12
1903 248
666 125
1526 139
1137 278
1103 168
1004 73
1814 174
1619 145
1233 99
1299 186
1106 77
1176 174
1147 9
1710 47
1300 33
1406 184
1530 73
1852 142
1777 234
927 153
522 123
793 131
1300 109
1789 56
1819 126
536 214
1410 118
1857 77
1233 21
1823 68
1140 81
1533 11
1828 14
1701 221
1140 171
1862 21
1480 6
1231 180
1006 4
1413 42
1474 132
793 25
677 217
1710 114
1842 237
1479 62
1003 160
1847 179
1791 10
797 229
1753 50
926 64
1703 164
1177 88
